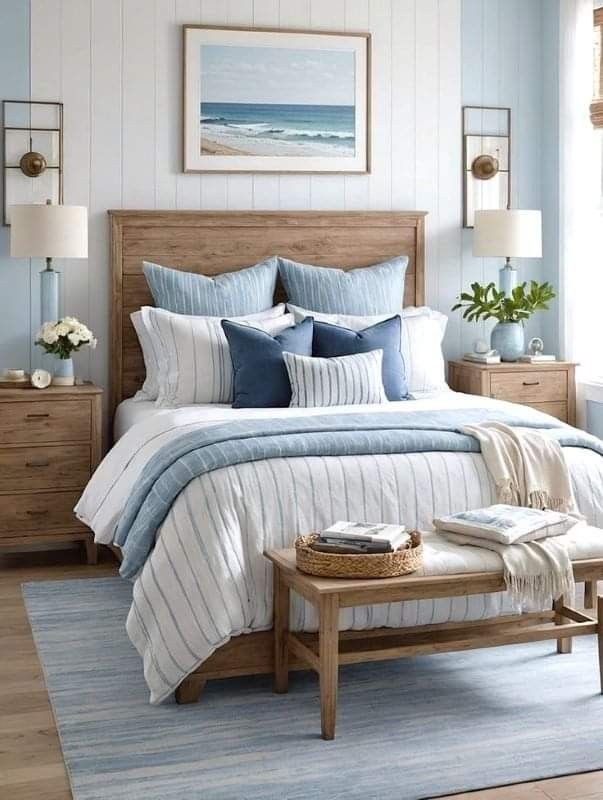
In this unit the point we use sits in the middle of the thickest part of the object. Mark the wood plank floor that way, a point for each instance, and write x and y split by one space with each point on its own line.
31 763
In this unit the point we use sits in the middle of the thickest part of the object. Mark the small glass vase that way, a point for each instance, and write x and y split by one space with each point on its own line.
63 372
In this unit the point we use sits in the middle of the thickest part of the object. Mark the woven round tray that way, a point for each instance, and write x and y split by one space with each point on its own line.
377 565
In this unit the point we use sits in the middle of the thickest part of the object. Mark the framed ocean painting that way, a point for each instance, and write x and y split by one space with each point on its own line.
275 101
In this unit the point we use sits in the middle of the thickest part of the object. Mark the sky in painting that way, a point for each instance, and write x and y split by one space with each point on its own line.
232 74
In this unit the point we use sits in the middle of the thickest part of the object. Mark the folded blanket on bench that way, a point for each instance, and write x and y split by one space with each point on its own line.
528 470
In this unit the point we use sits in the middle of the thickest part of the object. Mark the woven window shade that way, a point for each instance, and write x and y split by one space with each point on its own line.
596 107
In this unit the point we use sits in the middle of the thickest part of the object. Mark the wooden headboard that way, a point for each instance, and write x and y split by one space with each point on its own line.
213 242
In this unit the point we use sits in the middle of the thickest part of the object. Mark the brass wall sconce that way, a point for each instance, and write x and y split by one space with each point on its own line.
33 153
486 160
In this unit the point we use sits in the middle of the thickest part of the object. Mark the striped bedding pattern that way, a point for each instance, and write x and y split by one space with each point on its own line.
338 381
207 580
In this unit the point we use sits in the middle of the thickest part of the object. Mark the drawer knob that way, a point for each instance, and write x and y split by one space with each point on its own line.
33 513
37 463
37 416
531 383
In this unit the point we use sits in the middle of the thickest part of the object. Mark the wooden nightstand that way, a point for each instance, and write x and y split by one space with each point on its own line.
549 387
50 444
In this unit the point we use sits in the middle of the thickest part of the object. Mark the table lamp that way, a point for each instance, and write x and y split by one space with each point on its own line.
509 233
49 231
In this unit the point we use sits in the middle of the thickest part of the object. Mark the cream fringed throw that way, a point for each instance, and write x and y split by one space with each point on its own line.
528 470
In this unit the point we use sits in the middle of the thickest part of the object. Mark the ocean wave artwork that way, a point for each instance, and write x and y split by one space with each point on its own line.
271 101
277 129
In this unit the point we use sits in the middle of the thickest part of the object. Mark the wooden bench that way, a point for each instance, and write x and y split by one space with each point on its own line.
330 648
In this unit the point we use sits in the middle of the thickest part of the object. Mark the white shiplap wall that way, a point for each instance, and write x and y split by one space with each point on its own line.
116 64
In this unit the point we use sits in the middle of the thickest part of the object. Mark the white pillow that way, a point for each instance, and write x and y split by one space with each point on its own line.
506 524
194 363
422 332
339 381
151 349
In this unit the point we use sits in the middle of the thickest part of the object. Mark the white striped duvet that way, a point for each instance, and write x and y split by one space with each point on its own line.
207 579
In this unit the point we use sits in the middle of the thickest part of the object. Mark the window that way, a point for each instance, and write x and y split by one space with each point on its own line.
596 107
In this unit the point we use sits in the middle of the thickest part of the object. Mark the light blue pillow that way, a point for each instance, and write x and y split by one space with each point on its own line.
367 290
232 294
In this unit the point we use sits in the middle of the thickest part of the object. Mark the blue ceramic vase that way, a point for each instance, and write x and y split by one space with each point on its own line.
508 338
63 372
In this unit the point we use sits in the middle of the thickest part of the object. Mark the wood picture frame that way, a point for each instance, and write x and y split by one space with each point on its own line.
273 100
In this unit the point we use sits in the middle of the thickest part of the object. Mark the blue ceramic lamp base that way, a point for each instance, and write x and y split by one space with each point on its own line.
507 279
508 337
50 283
50 292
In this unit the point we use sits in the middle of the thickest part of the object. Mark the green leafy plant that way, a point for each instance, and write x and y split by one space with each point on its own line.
487 302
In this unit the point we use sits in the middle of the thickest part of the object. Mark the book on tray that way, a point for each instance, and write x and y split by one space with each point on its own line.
361 537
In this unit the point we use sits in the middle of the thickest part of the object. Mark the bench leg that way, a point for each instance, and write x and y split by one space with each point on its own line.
280 594
600 637
329 663
590 595
563 645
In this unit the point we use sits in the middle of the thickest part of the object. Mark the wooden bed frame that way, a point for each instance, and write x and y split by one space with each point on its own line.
212 242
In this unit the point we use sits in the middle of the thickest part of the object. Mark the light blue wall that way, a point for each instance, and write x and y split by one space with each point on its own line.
509 59
14 273
550 164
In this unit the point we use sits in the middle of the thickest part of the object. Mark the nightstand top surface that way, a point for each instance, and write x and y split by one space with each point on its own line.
510 366
51 393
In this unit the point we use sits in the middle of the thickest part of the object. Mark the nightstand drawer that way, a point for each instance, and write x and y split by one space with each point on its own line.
537 386
558 410
62 467
47 511
45 421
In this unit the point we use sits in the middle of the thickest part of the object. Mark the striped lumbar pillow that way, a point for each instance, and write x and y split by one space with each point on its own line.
378 289
231 294
339 381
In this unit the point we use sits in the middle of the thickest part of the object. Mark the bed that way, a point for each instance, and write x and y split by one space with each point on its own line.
202 604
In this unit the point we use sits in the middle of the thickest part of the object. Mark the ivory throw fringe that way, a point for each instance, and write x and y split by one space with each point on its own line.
528 469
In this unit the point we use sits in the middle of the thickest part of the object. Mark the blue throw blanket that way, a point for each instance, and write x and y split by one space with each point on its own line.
205 449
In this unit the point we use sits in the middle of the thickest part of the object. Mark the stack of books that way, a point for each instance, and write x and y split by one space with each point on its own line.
482 358
537 358
361 537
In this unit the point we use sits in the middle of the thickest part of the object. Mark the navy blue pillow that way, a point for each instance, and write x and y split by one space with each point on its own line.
260 375
333 340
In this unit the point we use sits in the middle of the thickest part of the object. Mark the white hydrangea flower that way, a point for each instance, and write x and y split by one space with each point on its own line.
50 336
62 329
74 338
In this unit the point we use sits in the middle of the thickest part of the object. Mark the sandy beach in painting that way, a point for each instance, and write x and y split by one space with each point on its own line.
211 148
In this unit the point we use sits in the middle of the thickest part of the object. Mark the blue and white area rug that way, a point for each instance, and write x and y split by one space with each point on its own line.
408 729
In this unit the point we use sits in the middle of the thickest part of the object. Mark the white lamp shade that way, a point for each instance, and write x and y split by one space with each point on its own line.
46 231
510 233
